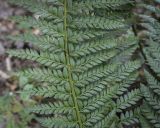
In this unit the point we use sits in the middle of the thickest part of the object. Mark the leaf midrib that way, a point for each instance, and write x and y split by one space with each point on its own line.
69 72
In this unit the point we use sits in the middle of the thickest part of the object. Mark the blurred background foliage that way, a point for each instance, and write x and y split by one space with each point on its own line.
13 99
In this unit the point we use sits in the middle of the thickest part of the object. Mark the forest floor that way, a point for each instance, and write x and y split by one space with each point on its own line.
12 104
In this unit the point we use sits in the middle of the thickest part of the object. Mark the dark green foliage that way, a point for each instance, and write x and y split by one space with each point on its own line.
89 75
151 91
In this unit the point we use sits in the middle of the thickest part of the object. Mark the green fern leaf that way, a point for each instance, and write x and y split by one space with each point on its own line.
86 55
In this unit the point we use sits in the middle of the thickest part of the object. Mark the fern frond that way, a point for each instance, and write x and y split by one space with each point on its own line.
47 59
81 47
45 43
100 4
151 100
130 118
144 122
150 90
49 91
44 75
39 7
154 84
128 100
56 108
97 23
151 116
51 122
45 27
